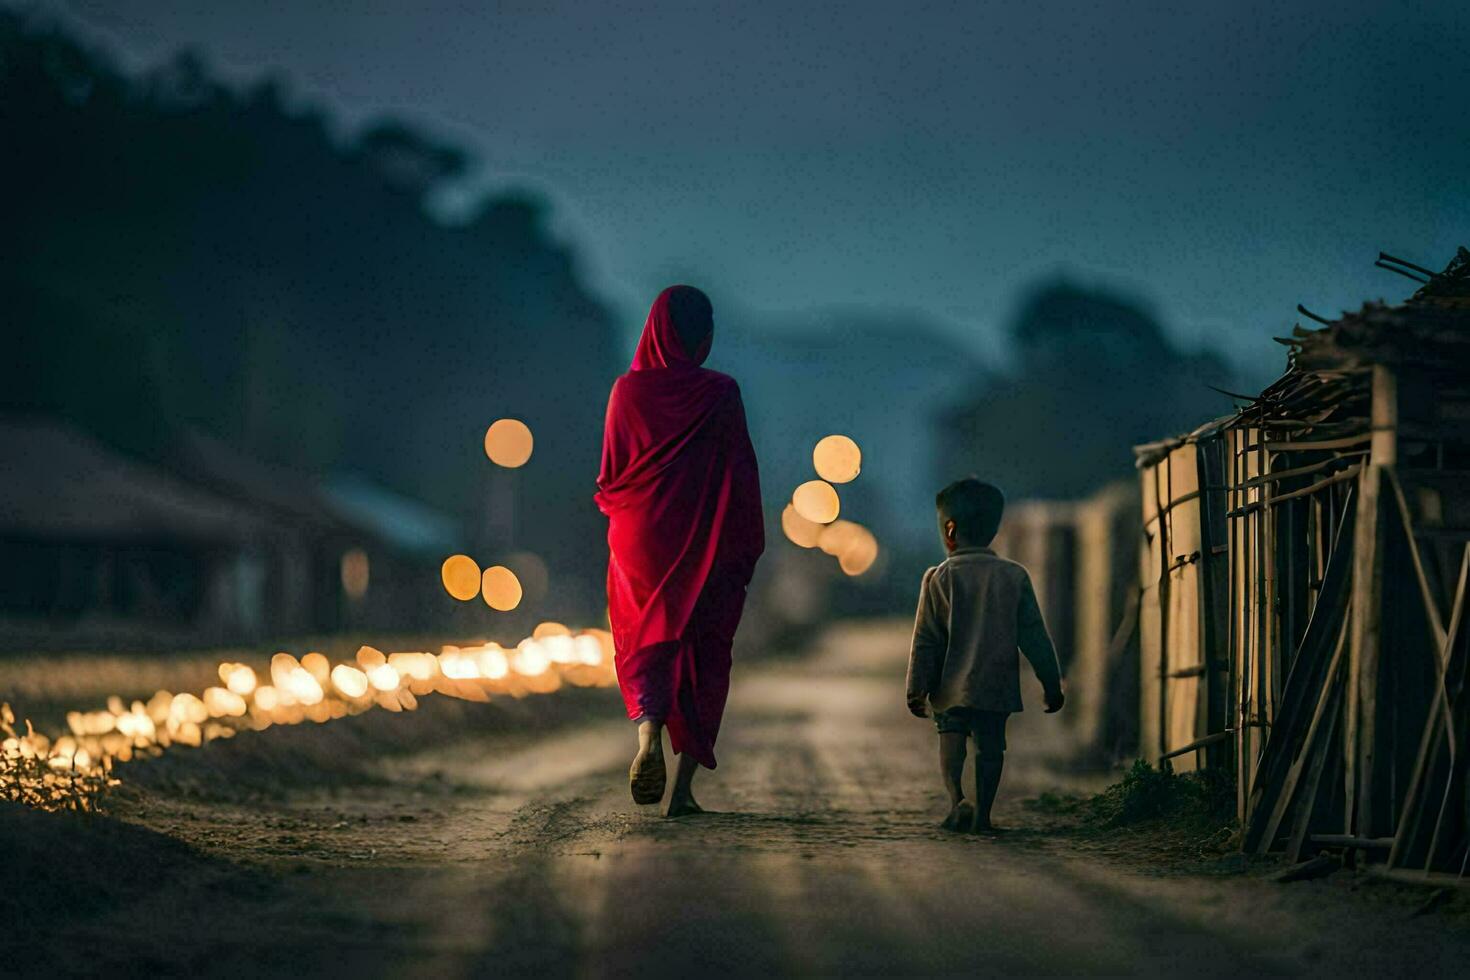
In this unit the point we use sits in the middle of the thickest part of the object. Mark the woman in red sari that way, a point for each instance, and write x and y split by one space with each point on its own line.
681 492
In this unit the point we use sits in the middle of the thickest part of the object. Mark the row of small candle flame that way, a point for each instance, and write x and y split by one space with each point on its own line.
313 689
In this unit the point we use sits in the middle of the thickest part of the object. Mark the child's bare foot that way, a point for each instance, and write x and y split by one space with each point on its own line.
682 806
985 828
960 818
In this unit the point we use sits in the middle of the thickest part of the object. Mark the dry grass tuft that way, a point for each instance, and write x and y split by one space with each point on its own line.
38 773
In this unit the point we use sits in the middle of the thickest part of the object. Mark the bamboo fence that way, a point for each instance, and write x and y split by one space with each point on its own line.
1304 568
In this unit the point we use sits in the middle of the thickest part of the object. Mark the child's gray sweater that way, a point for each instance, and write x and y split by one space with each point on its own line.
975 610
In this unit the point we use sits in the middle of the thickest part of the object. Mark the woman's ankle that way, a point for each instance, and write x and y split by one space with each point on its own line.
650 736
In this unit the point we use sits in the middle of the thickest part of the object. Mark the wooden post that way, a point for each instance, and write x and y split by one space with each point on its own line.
1270 547
1165 519
1239 600
1361 731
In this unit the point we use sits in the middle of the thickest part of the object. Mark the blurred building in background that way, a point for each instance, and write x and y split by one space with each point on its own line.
104 549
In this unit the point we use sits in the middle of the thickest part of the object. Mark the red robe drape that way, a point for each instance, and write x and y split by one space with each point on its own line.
681 492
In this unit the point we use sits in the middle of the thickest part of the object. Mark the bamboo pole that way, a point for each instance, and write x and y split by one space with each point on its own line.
1163 594
1271 616
1261 634
1240 664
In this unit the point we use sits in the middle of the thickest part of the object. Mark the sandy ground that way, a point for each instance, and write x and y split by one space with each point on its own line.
515 850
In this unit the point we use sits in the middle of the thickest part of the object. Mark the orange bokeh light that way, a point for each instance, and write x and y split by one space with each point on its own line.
798 529
816 500
837 459
500 588
508 443
355 573
461 577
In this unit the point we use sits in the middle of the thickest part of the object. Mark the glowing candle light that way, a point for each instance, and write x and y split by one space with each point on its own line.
310 689
136 725
589 650
223 703
239 678
419 666
383 677
303 687
318 666
559 648
158 705
267 698
282 666
369 657
492 662
188 709
349 681
530 659
458 666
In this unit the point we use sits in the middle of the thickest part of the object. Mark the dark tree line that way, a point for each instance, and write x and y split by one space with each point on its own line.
179 251
1094 375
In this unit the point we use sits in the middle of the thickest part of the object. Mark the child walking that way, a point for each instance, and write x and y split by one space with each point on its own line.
976 610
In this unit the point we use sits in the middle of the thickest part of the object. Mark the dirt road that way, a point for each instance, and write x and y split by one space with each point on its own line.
825 858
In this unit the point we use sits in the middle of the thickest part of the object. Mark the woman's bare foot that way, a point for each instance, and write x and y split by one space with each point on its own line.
961 817
682 806
648 777
681 800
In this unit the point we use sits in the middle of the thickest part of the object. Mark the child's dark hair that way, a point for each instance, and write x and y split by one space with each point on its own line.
975 507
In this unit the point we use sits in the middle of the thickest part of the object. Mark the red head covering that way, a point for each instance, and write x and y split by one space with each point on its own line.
681 491
661 346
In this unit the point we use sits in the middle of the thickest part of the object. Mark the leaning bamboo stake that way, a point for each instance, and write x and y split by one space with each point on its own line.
1425 762
1288 787
1431 608
1303 820
1451 634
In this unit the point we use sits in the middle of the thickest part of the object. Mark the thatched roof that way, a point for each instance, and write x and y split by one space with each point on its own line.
1326 384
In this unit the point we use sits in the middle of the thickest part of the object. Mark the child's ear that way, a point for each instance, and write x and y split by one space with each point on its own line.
949 527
